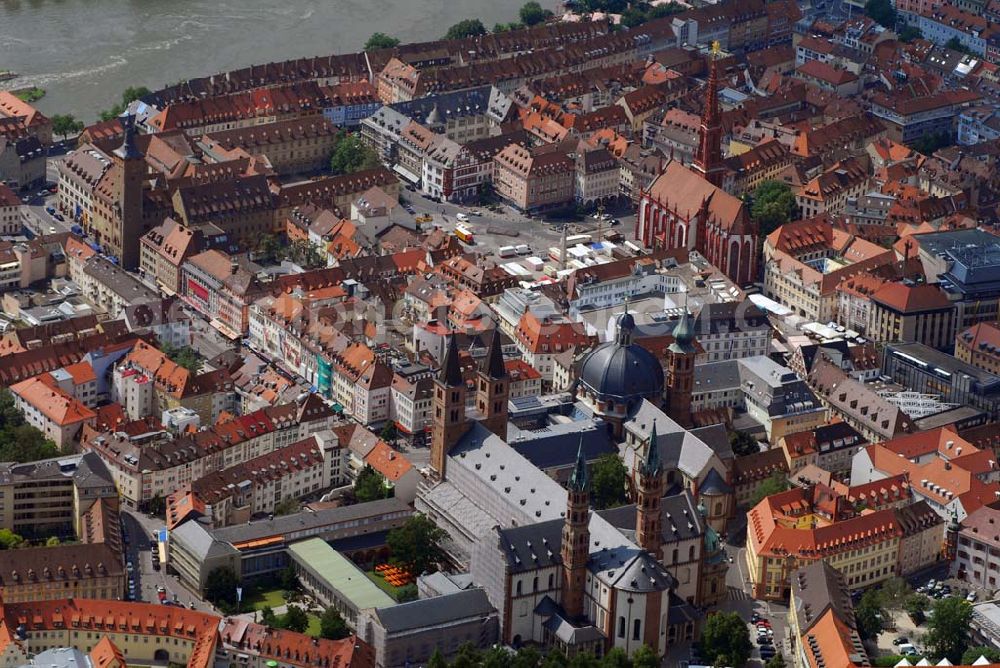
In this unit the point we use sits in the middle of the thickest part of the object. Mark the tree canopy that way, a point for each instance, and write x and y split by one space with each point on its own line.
416 544
9 539
19 441
350 155
973 653
608 479
184 356
332 626
220 586
777 482
532 13
882 12
370 485
948 636
743 443
466 28
869 614
726 640
130 95
65 125
773 206
910 33
379 40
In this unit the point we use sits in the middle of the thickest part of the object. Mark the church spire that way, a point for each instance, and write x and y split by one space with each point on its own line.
651 465
578 479
493 365
451 367
708 161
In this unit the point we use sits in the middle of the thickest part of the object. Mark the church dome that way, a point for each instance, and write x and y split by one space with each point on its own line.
621 370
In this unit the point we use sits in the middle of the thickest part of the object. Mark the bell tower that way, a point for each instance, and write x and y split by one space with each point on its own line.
131 165
575 548
679 376
449 409
708 160
648 521
493 388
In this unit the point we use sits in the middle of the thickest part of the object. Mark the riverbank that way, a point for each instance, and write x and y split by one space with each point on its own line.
85 53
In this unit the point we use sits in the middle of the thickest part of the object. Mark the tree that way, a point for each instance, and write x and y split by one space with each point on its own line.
9 539
351 155
389 432
777 661
268 618
65 125
773 206
495 657
882 12
526 657
948 628
743 443
955 44
53 541
608 480
466 28
895 591
220 586
726 640
379 40
915 605
370 485
295 619
507 27
437 660
910 33
616 658
287 506
869 613
289 580
972 654
130 95
19 441
468 656
929 143
532 13
645 657
415 545
157 506
332 626
184 356
775 484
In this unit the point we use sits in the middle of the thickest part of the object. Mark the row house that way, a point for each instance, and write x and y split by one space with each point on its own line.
910 118
540 340
243 207
411 400
829 192
257 486
980 346
220 288
943 23
534 179
362 384
148 466
350 103
292 146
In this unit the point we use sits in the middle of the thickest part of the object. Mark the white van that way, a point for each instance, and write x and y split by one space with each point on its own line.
523 249
906 649
507 251
462 217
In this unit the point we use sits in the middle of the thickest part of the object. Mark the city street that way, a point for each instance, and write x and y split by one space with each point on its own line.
140 528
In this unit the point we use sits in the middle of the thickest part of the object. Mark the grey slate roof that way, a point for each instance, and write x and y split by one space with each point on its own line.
199 541
304 521
681 519
679 449
436 611
555 446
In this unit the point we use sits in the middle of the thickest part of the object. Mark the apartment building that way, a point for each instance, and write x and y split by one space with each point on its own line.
778 399
81 571
534 179
293 146
10 211
157 464
830 447
57 414
906 312
829 192
221 287
257 486
980 346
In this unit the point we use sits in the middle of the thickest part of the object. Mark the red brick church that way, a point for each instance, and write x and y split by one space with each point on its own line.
686 207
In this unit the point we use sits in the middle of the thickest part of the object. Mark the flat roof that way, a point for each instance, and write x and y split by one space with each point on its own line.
340 574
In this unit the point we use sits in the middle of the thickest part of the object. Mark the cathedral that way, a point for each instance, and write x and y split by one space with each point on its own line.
687 207
560 573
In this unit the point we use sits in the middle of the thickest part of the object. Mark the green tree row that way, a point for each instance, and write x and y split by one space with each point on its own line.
468 656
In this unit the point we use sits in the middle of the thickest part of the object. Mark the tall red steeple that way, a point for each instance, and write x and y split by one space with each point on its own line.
708 161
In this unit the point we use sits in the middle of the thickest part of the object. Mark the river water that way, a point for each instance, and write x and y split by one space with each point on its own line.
85 52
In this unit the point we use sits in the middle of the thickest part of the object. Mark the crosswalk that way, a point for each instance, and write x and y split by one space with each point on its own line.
738 594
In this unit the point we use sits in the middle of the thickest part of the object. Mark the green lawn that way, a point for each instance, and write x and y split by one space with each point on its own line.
389 589
313 629
264 599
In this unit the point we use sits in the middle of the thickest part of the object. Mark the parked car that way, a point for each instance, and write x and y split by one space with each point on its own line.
971 597
51 210
902 640
755 617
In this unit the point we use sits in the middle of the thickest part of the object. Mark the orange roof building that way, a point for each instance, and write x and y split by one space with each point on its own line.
58 415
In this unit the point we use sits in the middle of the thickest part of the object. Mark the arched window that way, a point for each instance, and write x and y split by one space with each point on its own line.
621 627
718 508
